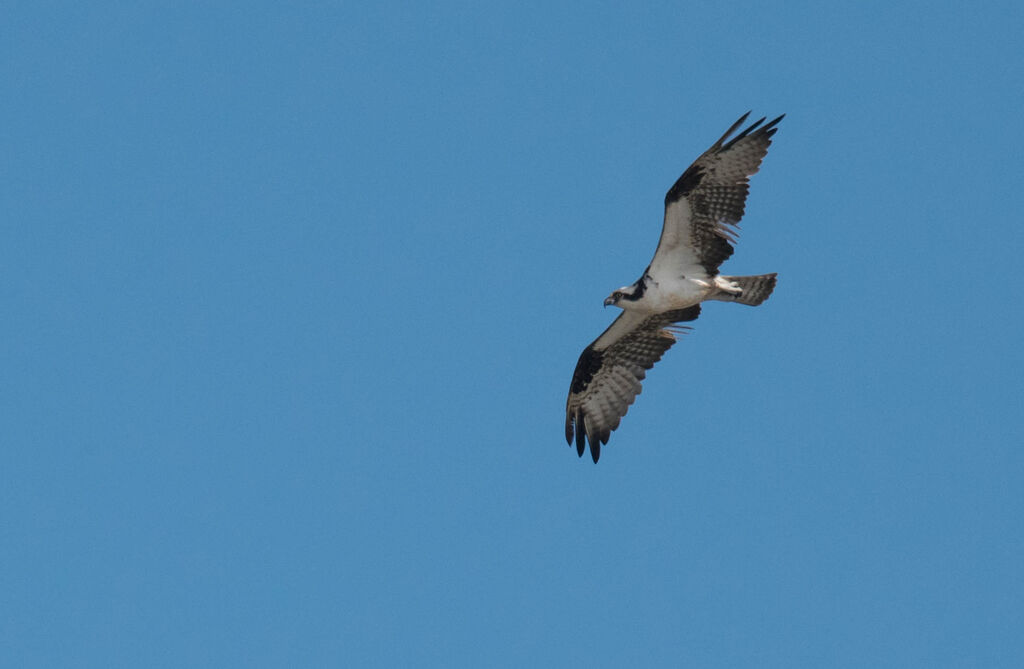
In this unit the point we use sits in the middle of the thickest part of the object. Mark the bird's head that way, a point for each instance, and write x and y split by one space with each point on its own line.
619 295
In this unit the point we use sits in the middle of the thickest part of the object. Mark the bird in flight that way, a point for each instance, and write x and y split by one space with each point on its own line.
702 211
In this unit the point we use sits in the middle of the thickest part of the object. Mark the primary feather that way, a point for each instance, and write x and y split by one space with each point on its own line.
702 209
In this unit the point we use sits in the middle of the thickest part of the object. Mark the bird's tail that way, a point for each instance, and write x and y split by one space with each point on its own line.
753 290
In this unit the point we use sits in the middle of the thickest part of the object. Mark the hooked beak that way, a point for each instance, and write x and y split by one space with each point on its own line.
608 301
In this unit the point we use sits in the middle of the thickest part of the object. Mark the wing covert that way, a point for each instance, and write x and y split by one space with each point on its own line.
708 200
609 371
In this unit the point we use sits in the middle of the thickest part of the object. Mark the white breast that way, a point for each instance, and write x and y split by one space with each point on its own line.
661 296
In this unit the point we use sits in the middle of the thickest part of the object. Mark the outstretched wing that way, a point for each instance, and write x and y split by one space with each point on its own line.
706 203
608 374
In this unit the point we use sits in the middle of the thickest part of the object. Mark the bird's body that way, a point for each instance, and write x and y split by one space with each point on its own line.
677 291
701 211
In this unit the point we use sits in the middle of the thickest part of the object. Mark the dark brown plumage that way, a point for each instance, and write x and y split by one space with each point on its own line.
702 209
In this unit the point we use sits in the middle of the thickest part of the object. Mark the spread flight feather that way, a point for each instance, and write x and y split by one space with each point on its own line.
702 210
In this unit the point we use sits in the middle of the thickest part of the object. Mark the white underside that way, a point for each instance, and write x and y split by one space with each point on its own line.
667 295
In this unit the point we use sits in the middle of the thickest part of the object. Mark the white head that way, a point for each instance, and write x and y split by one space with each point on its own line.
617 296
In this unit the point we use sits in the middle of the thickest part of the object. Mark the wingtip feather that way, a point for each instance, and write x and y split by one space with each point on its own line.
581 436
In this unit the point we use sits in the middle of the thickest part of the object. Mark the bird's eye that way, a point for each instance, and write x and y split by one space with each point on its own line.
617 295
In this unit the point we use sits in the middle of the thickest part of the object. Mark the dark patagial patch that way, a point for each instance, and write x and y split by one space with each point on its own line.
689 180
588 365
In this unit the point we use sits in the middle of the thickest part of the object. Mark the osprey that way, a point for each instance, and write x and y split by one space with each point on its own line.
702 210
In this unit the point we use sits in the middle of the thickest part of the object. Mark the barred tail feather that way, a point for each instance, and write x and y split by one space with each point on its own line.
753 289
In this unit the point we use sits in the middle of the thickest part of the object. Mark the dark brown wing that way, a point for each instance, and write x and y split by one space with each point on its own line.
704 205
609 371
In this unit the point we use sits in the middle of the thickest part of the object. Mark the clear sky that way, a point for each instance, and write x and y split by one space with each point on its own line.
292 295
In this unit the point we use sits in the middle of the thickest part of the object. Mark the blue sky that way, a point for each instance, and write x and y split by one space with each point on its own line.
293 294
